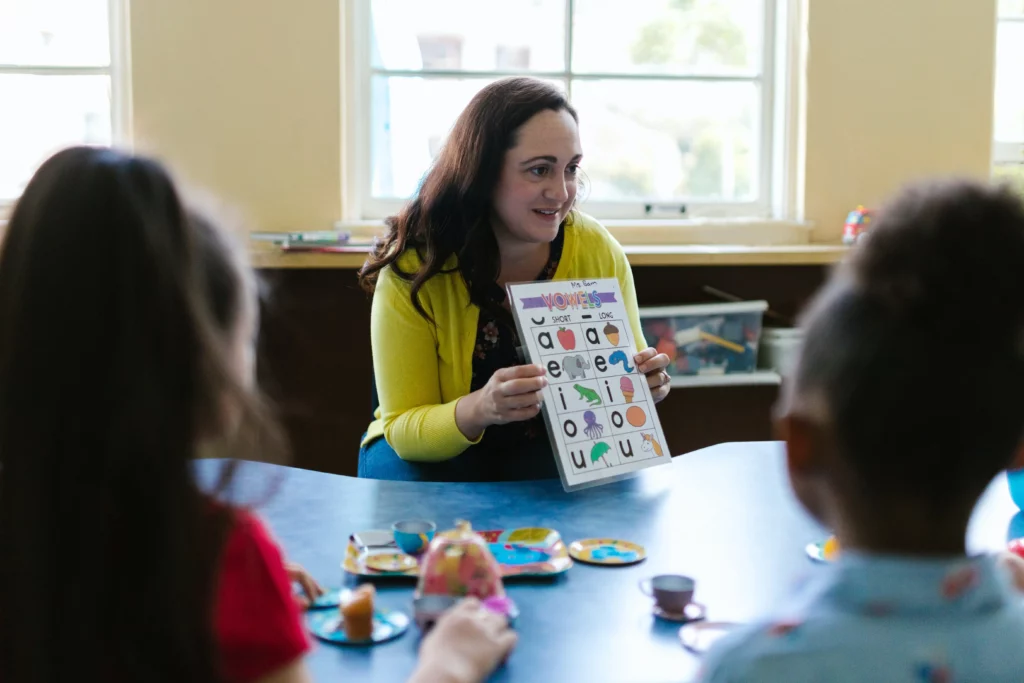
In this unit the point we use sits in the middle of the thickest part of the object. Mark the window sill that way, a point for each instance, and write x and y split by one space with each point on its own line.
267 256
710 231
713 242
635 242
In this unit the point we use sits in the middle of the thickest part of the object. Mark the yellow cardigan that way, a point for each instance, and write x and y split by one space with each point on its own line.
423 370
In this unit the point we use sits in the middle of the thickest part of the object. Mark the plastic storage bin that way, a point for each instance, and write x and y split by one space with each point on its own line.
779 348
706 339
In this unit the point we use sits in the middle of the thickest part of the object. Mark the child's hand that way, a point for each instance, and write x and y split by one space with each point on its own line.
311 590
465 646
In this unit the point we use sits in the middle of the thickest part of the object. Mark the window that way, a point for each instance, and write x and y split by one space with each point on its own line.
676 97
1009 122
55 82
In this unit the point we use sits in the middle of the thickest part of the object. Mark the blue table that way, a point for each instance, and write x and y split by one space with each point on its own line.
723 515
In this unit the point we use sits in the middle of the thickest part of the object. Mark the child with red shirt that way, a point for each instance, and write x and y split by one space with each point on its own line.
126 328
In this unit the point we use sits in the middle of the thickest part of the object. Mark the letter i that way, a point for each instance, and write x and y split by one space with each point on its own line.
607 388
562 399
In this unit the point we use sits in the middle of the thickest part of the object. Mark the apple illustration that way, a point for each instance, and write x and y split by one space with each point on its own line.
566 338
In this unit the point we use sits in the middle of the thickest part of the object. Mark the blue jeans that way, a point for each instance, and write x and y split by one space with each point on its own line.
378 460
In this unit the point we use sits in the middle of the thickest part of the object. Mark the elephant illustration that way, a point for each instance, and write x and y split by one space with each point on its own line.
575 365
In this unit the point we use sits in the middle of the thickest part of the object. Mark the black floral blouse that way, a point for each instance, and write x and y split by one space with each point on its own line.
519 450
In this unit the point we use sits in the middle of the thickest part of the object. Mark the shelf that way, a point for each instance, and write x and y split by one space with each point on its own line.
759 378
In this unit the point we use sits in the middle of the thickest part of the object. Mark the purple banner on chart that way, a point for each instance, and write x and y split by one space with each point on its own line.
574 300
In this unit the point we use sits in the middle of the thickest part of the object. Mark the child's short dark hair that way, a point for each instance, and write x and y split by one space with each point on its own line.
916 348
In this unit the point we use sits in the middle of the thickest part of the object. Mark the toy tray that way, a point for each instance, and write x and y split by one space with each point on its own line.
519 552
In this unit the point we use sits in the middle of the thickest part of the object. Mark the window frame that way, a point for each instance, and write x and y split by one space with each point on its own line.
779 122
1007 153
119 72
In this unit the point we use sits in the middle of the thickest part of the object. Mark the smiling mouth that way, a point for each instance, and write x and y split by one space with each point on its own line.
546 212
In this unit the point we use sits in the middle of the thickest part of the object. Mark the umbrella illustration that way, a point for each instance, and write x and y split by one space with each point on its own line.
598 451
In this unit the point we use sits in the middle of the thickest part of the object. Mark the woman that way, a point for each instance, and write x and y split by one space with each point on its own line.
126 331
497 206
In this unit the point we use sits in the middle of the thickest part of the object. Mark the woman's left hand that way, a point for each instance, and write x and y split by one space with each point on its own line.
653 364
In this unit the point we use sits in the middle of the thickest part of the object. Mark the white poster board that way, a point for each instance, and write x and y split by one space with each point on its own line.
598 408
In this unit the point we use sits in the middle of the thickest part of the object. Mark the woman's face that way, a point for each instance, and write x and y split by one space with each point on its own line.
537 187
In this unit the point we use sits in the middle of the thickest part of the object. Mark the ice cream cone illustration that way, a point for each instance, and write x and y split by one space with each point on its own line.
626 386
612 333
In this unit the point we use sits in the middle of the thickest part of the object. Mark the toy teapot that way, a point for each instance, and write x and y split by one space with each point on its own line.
458 563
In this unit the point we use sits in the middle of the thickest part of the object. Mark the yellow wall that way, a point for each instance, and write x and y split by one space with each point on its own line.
243 97
896 89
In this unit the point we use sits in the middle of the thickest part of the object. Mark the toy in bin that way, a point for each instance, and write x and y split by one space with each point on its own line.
706 339
458 564
857 222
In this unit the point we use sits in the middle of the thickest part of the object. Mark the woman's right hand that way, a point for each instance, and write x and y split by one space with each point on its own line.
510 395
466 644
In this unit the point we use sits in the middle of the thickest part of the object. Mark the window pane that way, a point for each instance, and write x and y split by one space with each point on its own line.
469 35
54 33
1011 173
1011 8
410 120
48 113
668 36
669 140
1009 124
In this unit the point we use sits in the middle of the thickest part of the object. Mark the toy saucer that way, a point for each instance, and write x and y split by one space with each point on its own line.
697 613
607 551
820 551
699 636
390 562
387 625
330 599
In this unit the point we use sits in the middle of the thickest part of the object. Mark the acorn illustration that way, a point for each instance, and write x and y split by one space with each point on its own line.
612 333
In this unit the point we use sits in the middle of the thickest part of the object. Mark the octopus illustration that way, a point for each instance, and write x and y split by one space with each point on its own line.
592 429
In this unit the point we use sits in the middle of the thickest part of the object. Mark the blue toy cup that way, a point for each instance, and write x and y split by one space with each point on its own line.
414 535
1015 478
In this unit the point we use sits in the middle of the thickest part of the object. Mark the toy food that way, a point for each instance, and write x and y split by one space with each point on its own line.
357 613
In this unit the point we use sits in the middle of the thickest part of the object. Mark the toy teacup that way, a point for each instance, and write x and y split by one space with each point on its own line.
413 536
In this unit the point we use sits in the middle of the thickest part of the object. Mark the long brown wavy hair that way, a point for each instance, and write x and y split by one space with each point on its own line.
453 209
115 312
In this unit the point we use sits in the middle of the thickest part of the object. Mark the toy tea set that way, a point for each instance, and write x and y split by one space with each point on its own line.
829 549
460 563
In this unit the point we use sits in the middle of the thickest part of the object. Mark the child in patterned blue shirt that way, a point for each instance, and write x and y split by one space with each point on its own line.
890 443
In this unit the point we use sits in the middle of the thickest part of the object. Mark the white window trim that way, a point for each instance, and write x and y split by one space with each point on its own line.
119 71
1006 153
121 74
781 80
